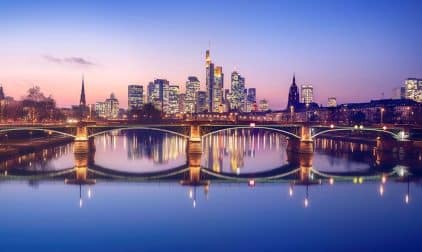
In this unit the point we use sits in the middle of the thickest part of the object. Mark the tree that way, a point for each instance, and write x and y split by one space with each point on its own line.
148 113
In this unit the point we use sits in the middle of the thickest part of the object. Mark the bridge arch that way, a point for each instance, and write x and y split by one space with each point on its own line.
37 129
138 128
395 136
283 132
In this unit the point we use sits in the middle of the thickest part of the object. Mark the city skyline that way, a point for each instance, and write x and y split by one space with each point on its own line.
119 47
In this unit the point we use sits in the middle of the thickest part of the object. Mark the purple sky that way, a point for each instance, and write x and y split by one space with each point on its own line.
353 50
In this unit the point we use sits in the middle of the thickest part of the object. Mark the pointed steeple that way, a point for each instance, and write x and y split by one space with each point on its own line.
82 101
294 79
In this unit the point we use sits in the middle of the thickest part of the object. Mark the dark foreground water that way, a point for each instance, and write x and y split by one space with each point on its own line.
366 203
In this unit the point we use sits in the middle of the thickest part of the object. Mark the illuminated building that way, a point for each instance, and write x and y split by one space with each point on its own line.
192 87
218 89
158 94
263 105
182 103
201 101
173 106
332 102
109 109
293 101
135 97
214 83
237 95
307 93
413 89
209 81
250 99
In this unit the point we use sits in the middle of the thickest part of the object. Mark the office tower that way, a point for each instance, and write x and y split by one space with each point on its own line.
413 89
135 97
293 101
237 95
2 96
158 94
209 80
112 107
399 93
192 87
263 105
306 94
182 103
201 101
218 89
250 99
109 109
332 102
173 107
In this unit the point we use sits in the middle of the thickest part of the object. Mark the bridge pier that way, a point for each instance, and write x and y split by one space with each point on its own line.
81 132
195 133
84 156
305 144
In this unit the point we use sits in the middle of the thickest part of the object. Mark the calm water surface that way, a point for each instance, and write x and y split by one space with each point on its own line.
345 197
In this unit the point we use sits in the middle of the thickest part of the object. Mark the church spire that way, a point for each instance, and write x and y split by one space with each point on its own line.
82 101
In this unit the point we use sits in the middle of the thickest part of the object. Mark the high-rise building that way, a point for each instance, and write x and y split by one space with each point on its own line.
263 105
413 89
293 101
201 101
158 94
332 102
307 94
192 87
173 107
237 94
250 99
135 97
209 80
182 103
218 89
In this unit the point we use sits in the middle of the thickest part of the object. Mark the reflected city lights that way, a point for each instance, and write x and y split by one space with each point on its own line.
381 190
406 198
290 191
331 181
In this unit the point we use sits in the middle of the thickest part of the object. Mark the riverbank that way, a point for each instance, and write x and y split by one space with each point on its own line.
19 147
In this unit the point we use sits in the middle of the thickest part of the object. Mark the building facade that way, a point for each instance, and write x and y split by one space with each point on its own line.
307 94
192 87
237 94
173 107
135 97
413 89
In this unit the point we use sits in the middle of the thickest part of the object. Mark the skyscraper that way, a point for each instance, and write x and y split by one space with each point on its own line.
173 107
218 88
250 99
192 87
293 95
209 80
307 93
135 97
158 94
201 101
237 95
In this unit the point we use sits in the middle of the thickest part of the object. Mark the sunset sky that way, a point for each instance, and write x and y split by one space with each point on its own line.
353 50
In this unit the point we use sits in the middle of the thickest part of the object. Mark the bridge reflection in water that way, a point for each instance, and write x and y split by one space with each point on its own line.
296 169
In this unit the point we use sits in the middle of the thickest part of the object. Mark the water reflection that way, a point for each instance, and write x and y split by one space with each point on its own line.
251 157
244 151
140 151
